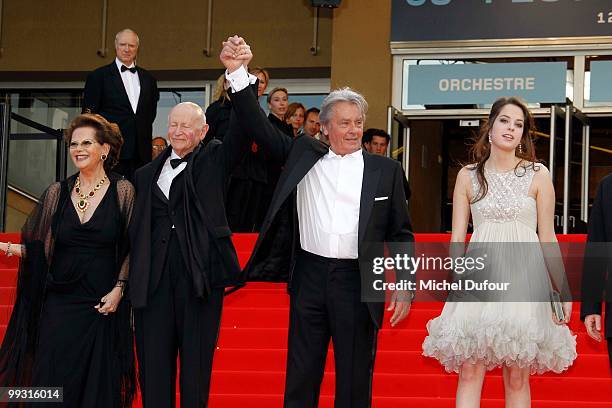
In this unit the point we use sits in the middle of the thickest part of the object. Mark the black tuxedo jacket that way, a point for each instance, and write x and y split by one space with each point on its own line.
105 94
196 209
597 271
387 220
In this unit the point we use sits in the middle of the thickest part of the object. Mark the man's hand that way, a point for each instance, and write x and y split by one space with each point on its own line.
593 326
235 52
400 304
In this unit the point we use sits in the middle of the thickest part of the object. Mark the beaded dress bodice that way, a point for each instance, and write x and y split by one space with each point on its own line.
507 196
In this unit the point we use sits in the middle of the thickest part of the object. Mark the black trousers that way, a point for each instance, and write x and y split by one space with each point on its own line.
326 303
175 322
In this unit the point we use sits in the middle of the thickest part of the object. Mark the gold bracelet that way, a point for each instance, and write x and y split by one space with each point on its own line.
121 284
8 251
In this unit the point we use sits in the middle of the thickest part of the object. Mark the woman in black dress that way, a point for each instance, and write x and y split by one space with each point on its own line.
69 327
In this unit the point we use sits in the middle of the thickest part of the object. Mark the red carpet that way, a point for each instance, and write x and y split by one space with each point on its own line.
250 360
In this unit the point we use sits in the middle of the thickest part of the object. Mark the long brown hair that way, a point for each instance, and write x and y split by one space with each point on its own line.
481 148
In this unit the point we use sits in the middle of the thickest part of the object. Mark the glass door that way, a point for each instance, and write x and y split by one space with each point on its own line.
569 166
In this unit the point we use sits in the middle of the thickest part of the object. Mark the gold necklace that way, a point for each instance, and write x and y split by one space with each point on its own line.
83 202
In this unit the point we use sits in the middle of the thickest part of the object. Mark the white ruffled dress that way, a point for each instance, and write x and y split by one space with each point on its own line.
502 333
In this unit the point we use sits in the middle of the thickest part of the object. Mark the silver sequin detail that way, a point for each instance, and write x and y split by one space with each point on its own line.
506 196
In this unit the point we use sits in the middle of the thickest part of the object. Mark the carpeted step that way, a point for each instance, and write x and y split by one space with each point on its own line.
276 401
387 362
8 276
241 315
406 339
561 387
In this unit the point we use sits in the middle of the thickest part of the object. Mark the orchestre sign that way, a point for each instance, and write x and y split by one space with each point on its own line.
449 20
537 82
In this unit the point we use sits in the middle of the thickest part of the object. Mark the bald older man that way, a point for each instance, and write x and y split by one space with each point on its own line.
181 258
127 95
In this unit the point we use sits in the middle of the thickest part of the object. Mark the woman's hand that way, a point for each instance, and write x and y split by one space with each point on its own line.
110 301
10 249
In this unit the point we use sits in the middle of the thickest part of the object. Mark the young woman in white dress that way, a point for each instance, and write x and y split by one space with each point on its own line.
511 199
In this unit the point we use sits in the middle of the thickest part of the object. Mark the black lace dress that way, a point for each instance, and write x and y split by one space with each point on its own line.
74 349
56 337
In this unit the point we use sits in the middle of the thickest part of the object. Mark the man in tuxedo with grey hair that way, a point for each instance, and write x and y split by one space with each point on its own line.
329 204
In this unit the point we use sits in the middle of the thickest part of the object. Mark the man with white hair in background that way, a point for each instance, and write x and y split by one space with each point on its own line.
182 257
127 95
329 204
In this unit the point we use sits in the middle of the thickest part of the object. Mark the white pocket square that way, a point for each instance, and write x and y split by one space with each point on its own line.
381 198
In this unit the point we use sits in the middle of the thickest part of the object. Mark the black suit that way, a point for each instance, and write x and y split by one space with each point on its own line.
325 293
177 274
597 271
105 94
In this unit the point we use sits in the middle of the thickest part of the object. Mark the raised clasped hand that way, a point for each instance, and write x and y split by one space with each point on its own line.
235 52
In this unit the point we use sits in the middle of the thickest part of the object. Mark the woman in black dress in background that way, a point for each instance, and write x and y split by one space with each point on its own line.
69 327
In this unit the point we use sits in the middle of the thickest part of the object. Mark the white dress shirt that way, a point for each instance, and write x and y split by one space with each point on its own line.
328 203
168 174
240 79
131 82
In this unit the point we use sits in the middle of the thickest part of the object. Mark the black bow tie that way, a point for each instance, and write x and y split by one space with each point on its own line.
175 162
124 68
